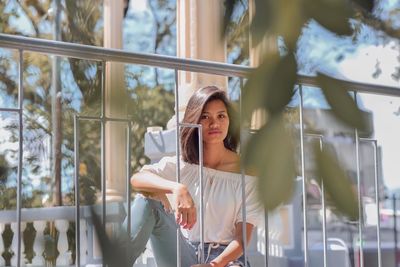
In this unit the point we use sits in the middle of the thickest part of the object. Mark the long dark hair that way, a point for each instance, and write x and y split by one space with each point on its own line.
194 109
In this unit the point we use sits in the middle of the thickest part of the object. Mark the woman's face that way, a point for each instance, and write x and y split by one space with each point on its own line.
215 122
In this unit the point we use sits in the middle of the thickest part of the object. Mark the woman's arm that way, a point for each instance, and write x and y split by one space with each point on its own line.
235 249
185 213
149 182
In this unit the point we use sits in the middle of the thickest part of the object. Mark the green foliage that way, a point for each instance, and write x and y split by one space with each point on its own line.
336 183
342 104
265 152
113 251
278 75
271 86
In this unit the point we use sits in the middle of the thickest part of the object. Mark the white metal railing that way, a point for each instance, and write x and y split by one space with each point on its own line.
101 54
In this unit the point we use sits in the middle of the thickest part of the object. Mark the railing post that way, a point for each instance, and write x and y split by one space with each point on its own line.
243 181
359 192
17 246
303 174
77 194
324 236
178 176
17 231
377 200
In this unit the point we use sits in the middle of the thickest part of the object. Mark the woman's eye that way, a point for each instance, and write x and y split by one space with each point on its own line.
221 116
204 117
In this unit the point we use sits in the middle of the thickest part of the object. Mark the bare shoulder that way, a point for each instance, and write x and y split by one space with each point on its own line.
232 164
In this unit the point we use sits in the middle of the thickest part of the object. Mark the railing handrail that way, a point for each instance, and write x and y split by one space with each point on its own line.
90 52
169 62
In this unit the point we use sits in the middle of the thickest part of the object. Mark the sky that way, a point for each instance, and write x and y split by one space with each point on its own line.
360 67
386 115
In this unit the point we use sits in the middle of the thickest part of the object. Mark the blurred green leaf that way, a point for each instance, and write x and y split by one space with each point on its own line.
337 183
255 90
289 20
112 251
262 20
270 86
343 105
4 169
270 153
368 5
50 247
332 14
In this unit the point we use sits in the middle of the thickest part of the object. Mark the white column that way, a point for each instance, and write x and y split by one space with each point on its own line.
268 44
64 257
38 244
115 94
199 37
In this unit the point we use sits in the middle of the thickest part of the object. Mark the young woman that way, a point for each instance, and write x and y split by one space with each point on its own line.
151 217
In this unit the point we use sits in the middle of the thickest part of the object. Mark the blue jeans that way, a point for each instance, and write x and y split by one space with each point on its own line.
151 222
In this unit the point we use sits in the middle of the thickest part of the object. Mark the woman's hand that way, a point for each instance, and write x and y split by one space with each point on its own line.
160 197
185 213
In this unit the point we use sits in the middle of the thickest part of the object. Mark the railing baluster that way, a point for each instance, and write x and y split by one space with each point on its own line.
20 154
128 174
359 192
243 179
200 135
38 243
63 258
303 174
103 149
77 198
266 237
377 200
324 237
201 182
178 174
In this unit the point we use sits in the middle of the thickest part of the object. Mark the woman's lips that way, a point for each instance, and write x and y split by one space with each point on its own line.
214 132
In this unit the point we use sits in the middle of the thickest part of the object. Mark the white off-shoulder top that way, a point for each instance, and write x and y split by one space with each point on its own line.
222 198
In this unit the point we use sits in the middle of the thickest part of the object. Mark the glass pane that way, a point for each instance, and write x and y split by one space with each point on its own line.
150 27
9 139
37 20
151 103
9 143
9 71
238 35
55 89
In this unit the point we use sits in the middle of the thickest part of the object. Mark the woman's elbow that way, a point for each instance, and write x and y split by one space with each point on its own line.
135 182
